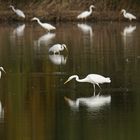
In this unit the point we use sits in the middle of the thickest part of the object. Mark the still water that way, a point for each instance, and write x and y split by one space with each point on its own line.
35 103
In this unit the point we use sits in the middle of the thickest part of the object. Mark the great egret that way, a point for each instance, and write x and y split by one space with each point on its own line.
85 14
94 79
128 15
55 49
46 26
18 12
1 69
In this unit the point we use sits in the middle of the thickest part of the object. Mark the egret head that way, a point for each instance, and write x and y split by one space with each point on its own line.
64 46
123 10
70 78
2 69
92 6
34 18
11 6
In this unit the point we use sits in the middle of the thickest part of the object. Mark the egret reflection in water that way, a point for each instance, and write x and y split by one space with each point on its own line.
45 39
19 31
85 28
58 59
128 30
2 70
1 112
92 103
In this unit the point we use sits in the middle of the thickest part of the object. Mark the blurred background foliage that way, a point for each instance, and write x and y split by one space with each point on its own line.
69 9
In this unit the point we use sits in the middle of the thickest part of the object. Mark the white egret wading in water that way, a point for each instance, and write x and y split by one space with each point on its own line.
1 69
18 12
46 26
128 15
94 79
55 49
85 14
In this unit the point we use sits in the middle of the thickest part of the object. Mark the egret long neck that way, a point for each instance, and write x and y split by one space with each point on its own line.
124 12
39 21
90 9
13 8
80 80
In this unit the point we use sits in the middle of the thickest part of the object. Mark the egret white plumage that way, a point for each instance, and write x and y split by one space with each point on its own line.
55 49
46 26
85 14
94 79
1 69
128 15
18 12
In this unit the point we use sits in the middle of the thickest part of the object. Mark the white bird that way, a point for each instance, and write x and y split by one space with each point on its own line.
55 49
18 12
85 14
128 15
93 102
94 79
46 26
1 69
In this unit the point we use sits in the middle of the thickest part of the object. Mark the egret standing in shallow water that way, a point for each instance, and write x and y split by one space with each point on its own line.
94 79
1 69
18 12
46 26
85 14
128 15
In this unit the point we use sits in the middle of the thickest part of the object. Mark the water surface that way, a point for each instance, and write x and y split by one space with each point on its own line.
35 103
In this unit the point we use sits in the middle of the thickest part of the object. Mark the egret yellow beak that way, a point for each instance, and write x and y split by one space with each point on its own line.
66 81
66 99
66 49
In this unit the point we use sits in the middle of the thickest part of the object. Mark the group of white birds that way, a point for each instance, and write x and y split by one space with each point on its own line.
82 16
95 79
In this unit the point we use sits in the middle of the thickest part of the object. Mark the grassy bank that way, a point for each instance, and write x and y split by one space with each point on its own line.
67 10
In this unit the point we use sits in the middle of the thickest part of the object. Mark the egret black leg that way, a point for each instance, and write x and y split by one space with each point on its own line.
98 85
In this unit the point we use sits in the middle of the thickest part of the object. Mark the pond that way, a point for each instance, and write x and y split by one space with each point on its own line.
35 104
